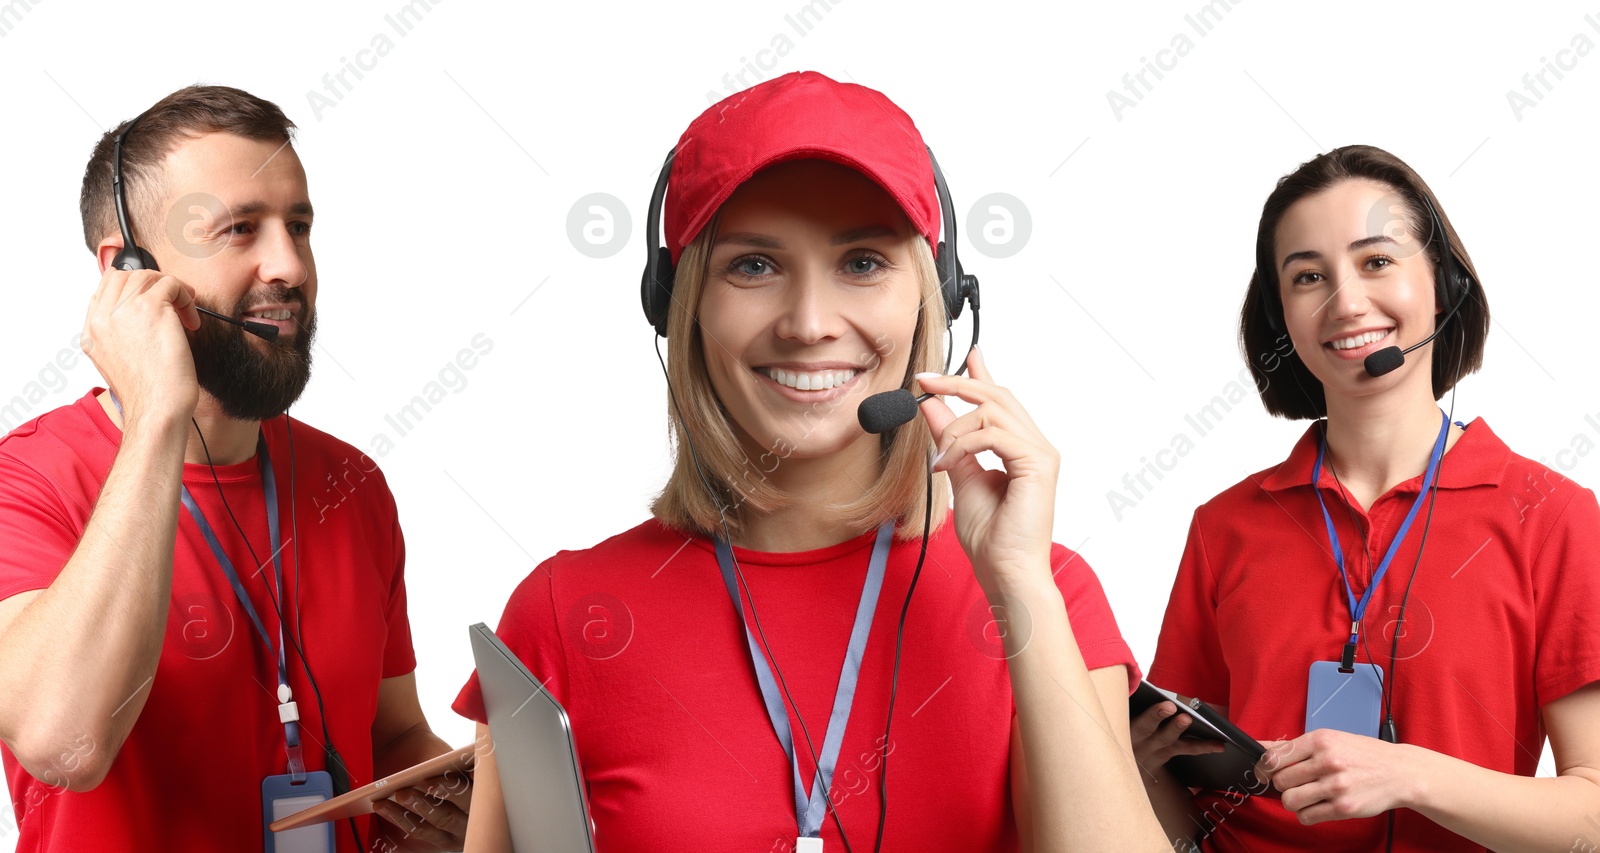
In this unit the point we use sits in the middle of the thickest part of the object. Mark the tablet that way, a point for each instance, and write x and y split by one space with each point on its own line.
360 801
1231 769
546 801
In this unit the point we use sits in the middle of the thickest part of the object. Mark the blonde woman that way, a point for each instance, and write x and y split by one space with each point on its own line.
802 217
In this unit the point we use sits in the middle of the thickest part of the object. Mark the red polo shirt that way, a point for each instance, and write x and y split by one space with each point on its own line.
1500 620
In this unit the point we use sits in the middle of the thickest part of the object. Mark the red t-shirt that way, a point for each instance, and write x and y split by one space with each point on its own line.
1499 623
638 640
188 778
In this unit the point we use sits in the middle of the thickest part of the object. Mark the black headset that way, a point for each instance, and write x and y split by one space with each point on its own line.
131 257
655 287
1453 282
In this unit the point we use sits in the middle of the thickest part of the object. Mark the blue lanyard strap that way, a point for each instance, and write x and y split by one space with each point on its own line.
288 712
269 487
1359 608
809 810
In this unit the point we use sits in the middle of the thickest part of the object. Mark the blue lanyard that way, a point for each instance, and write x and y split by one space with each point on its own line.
288 711
1359 608
809 810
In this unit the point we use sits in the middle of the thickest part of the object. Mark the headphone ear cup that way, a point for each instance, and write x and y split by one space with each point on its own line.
1455 286
1463 281
133 258
949 282
656 295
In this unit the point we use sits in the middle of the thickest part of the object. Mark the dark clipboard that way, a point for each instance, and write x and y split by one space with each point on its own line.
1231 769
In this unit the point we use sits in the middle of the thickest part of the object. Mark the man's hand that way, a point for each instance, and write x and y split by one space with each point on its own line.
428 818
134 334
433 815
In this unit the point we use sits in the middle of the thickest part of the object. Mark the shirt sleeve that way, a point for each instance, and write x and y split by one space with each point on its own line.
529 629
1566 589
399 657
1189 649
38 532
1093 624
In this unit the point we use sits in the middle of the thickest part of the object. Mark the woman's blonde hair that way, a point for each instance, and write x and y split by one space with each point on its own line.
740 483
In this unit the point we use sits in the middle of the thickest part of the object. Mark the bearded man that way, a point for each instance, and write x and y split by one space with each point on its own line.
181 661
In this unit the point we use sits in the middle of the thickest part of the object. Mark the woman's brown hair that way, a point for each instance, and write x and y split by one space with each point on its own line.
1294 392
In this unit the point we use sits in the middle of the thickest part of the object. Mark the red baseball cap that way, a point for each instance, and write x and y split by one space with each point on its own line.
801 115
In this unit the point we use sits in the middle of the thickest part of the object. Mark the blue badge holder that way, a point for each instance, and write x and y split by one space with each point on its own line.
1345 701
281 797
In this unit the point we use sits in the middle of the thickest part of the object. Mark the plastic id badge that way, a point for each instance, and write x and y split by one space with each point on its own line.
280 797
1346 701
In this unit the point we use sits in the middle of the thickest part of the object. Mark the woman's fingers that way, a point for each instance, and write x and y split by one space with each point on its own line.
1154 735
1157 741
939 415
940 418
1303 797
1146 723
984 417
977 388
977 367
997 411
1019 456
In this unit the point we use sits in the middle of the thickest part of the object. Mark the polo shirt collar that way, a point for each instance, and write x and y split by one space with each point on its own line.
1478 458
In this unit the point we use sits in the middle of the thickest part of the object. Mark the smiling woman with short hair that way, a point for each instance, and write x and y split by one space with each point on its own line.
1390 600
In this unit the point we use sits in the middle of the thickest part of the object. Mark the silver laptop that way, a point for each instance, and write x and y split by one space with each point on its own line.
534 753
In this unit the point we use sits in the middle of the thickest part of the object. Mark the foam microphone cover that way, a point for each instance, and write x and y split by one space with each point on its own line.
1384 361
883 412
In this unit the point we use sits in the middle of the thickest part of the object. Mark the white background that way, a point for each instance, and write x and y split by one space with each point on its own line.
443 180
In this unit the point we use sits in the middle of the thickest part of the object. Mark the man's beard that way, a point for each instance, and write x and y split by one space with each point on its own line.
251 385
